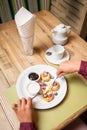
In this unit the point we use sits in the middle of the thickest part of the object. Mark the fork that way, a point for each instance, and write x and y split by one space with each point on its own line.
54 79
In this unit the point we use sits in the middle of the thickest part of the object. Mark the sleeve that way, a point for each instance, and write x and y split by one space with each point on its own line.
27 126
83 69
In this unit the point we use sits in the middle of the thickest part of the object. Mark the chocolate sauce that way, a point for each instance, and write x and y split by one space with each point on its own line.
33 76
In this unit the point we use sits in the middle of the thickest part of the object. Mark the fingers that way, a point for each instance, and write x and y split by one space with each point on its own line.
23 103
59 71
19 102
14 107
29 102
61 74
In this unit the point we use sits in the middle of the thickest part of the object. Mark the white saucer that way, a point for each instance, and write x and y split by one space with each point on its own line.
66 57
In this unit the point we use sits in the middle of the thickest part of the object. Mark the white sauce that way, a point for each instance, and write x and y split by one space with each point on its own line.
33 88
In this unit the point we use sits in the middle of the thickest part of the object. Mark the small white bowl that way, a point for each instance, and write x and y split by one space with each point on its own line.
33 89
34 76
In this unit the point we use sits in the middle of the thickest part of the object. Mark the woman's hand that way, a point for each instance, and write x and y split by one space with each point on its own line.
23 110
68 67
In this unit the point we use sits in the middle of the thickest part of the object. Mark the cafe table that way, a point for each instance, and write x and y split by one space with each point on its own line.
13 61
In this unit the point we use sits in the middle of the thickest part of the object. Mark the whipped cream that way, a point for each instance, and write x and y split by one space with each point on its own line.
33 88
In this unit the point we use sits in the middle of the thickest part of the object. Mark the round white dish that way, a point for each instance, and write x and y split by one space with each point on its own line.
66 56
38 103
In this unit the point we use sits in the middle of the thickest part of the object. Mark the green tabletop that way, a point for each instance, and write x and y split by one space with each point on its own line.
75 99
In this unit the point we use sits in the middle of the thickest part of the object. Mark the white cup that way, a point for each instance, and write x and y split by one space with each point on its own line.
58 52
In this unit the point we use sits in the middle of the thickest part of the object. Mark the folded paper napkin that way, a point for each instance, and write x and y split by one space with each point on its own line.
23 16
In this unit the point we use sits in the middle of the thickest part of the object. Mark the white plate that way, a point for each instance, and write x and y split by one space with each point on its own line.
23 81
52 60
